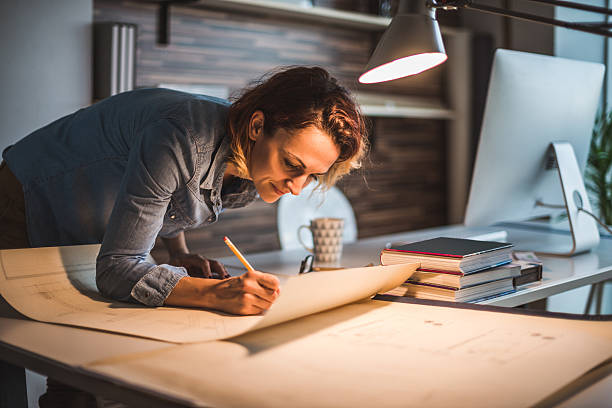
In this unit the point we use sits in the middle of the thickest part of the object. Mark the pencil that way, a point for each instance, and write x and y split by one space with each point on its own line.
236 252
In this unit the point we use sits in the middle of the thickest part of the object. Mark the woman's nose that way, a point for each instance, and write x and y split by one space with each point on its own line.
296 184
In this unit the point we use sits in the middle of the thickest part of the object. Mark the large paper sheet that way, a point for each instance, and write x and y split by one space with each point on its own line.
57 284
377 354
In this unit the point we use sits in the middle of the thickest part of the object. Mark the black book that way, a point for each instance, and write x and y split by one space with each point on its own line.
450 254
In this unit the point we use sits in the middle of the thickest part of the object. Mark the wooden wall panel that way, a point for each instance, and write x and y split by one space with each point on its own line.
405 181
229 48
405 177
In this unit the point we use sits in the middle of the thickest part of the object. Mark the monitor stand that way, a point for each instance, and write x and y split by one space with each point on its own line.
583 228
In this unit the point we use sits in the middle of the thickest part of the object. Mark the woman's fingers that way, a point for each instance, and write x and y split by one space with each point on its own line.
217 269
200 267
266 280
261 284
203 265
255 304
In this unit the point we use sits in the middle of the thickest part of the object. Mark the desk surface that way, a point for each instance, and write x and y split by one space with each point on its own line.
560 273
150 373
62 351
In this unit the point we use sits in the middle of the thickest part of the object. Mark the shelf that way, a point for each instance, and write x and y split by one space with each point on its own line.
379 105
310 14
375 105
270 8
314 14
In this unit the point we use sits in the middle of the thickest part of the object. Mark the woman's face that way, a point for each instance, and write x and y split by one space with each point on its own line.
285 162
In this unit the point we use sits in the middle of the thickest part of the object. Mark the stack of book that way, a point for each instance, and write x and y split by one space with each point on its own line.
455 269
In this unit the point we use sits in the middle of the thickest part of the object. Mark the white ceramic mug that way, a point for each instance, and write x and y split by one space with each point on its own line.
326 237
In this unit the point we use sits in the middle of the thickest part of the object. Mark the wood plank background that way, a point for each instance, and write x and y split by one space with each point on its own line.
402 187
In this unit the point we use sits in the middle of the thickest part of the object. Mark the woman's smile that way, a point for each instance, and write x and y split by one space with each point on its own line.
276 190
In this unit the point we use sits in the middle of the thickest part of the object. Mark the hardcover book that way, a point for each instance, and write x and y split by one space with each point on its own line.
440 292
450 254
462 280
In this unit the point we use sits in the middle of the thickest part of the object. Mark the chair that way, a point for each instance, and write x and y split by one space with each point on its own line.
294 211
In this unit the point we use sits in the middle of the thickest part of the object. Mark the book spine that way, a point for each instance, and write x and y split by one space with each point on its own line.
490 250
483 268
433 285
456 273
424 253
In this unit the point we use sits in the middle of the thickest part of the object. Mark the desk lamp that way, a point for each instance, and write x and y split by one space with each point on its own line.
413 43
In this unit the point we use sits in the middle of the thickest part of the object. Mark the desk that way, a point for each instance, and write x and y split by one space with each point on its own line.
63 351
560 273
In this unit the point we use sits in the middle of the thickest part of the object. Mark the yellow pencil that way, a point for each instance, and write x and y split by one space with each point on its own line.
238 254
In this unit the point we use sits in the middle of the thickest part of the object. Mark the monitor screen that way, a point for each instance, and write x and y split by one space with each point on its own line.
532 101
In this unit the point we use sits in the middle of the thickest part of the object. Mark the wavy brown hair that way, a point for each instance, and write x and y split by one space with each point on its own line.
295 98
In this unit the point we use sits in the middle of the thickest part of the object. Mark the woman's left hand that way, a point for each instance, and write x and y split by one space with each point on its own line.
198 266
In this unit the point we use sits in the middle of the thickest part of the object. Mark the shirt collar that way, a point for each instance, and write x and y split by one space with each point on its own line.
213 181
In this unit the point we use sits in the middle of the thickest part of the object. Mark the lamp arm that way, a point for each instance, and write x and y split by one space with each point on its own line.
592 28
577 6
540 19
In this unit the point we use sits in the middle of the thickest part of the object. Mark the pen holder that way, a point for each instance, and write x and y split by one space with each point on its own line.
326 238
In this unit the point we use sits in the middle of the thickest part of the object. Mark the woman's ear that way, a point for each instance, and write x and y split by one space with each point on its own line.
256 125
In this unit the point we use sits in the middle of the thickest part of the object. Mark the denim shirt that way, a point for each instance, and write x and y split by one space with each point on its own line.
123 171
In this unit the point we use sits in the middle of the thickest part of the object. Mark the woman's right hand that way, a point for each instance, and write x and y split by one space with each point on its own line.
248 294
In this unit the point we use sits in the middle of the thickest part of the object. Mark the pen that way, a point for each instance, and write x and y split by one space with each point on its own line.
238 254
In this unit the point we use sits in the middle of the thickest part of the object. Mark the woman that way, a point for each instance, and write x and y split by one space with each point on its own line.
157 162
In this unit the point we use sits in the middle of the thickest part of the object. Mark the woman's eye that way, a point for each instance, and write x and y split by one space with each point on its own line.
291 166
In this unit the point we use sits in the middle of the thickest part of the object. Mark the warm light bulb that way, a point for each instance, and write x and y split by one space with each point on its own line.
403 67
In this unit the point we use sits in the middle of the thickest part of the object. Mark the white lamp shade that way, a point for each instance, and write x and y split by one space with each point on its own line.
411 44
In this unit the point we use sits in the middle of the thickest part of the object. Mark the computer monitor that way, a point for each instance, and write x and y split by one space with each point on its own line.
535 102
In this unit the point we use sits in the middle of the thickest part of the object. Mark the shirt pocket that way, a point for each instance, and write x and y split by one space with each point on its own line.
176 216
172 223
173 215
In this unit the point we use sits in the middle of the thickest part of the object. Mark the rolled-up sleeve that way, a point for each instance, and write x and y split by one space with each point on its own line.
160 162
155 286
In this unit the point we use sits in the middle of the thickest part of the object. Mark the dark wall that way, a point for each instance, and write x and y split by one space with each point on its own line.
403 185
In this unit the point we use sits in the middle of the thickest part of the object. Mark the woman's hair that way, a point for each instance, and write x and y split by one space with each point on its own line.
296 98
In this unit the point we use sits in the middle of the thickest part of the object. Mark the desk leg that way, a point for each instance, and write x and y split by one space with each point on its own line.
596 292
537 305
600 287
13 393
589 301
